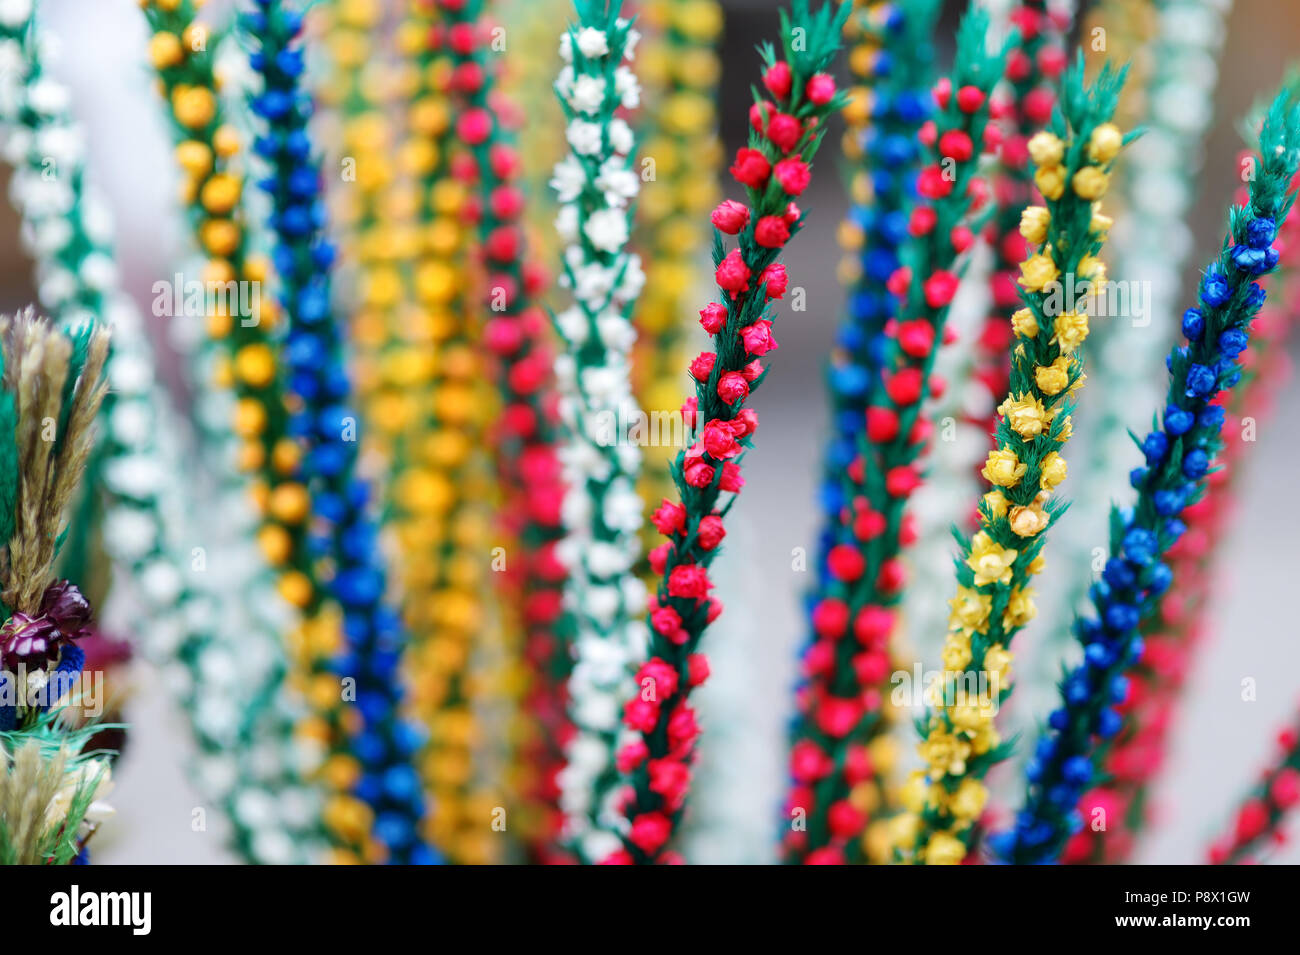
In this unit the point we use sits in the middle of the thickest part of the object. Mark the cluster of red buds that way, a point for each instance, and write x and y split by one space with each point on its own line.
788 124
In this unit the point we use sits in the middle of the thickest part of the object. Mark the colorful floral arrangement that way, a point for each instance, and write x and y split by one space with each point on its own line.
1178 454
525 434
371 486
1061 282
596 184
786 132
841 704
378 740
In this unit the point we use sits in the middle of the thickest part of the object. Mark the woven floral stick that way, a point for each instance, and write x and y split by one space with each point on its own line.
441 491
524 440
381 743
1132 760
596 184
242 358
228 678
1178 456
1157 188
841 704
892 63
994 600
679 68
774 169
1258 818
1033 69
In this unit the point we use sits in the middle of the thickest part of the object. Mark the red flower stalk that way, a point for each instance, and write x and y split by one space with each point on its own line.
846 667
1259 817
774 169
524 439
1032 72
1133 759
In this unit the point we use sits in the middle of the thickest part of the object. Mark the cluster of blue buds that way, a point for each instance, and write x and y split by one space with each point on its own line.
328 428
1178 457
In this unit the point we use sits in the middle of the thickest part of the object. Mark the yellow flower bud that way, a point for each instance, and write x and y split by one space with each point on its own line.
1046 149
1023 323
250 418
1020 608
165 50
194 157
1003 468
193 106
990 560
220 236
1053 470
1052 379
956 650
1090 183
1050 181
1025 415
968 801
970 611
1071 329
995 502
226 141
255 365
944 848
1037 272
220 193
1034 221
1105 143
289 503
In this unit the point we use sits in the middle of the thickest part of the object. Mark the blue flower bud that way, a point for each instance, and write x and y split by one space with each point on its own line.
1255 296
1118 573
1121 618
1078 770
1119 689
1140 545
1215 290
1099 656
1248 259
1233 341
1193 324
1154 446
1178 421
1195 463
1159 578
1135 648
1210 418
1109 722
1201 381
1059 720
1137 477
1168 503
1260 232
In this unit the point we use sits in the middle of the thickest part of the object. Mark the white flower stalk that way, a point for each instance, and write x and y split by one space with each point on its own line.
595 184
226 668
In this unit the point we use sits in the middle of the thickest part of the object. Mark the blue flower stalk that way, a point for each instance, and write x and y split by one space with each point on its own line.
893 62
381 744
1179 454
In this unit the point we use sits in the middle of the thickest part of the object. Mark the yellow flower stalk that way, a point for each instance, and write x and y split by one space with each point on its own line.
994 598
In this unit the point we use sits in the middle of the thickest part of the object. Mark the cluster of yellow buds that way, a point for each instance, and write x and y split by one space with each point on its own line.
994 599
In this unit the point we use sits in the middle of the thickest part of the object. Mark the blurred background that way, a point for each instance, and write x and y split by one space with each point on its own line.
1221 741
